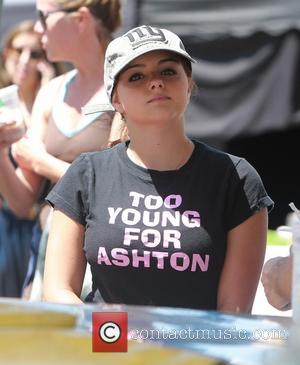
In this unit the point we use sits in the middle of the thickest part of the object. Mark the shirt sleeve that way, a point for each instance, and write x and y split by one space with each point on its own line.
70 193
247 194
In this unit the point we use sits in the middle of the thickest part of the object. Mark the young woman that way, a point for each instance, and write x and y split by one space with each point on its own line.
163 220
77 32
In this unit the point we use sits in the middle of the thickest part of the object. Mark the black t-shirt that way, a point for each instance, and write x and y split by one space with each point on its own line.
158 237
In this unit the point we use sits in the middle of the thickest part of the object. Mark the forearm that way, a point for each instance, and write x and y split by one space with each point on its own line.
64 296
237 289
241 303
50 167
14 188
243 263
238 297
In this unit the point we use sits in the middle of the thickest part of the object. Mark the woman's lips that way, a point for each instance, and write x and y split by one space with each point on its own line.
159 98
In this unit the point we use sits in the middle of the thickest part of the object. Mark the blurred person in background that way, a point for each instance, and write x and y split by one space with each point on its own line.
277 281
75 31
23 63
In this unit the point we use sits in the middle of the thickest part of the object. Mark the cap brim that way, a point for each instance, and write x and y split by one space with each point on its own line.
144 51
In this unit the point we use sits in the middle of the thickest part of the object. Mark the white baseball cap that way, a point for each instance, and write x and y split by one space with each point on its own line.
136 42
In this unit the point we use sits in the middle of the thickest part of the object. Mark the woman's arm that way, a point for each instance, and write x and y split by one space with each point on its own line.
18 189
10 133
21 187
277 281
53 168
65 260
246 246
31 152
50 167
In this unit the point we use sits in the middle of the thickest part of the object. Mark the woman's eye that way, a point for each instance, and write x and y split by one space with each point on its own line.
135 77
168 71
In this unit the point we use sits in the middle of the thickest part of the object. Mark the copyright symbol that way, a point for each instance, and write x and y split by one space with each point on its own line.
109 332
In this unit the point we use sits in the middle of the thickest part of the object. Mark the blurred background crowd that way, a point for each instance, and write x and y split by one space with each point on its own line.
248 86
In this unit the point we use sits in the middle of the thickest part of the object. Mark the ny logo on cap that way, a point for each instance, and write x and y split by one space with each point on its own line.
145 34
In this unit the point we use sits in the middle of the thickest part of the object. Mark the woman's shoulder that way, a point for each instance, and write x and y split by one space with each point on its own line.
222 160
53 85
48 93
104 155
210 152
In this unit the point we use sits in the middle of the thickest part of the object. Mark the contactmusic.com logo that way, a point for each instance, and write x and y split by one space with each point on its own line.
110 331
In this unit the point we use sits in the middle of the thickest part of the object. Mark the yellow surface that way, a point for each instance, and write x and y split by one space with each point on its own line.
32 335
64 347
20 316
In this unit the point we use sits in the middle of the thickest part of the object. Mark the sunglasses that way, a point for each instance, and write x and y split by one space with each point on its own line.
42 16
35 54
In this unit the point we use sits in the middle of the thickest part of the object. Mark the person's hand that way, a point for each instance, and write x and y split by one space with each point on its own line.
28 151
10 133
276 280
46 70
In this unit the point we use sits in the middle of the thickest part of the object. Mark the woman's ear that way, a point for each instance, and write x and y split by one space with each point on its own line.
82 15
116 103
190 86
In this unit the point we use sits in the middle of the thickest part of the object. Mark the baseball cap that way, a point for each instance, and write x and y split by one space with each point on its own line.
136 42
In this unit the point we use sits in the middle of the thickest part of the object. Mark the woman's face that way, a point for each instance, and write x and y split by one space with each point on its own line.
154 88
56 29
23 57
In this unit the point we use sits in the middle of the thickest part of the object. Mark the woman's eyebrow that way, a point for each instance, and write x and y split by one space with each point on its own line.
133 65
169 60
144 65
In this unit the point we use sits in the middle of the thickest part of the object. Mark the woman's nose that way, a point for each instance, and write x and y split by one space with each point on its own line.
25 56
156 83
38 27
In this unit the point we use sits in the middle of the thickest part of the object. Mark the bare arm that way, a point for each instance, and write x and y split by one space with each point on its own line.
12 185
31 152
243 263
54 168
20 187
65 260
277 282
51 167
10 133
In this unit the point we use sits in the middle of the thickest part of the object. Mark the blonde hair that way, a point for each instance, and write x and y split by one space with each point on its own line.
26 26
108 11
119 131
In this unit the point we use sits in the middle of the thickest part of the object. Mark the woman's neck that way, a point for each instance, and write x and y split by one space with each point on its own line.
90 63
27 95
90 71
161 154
